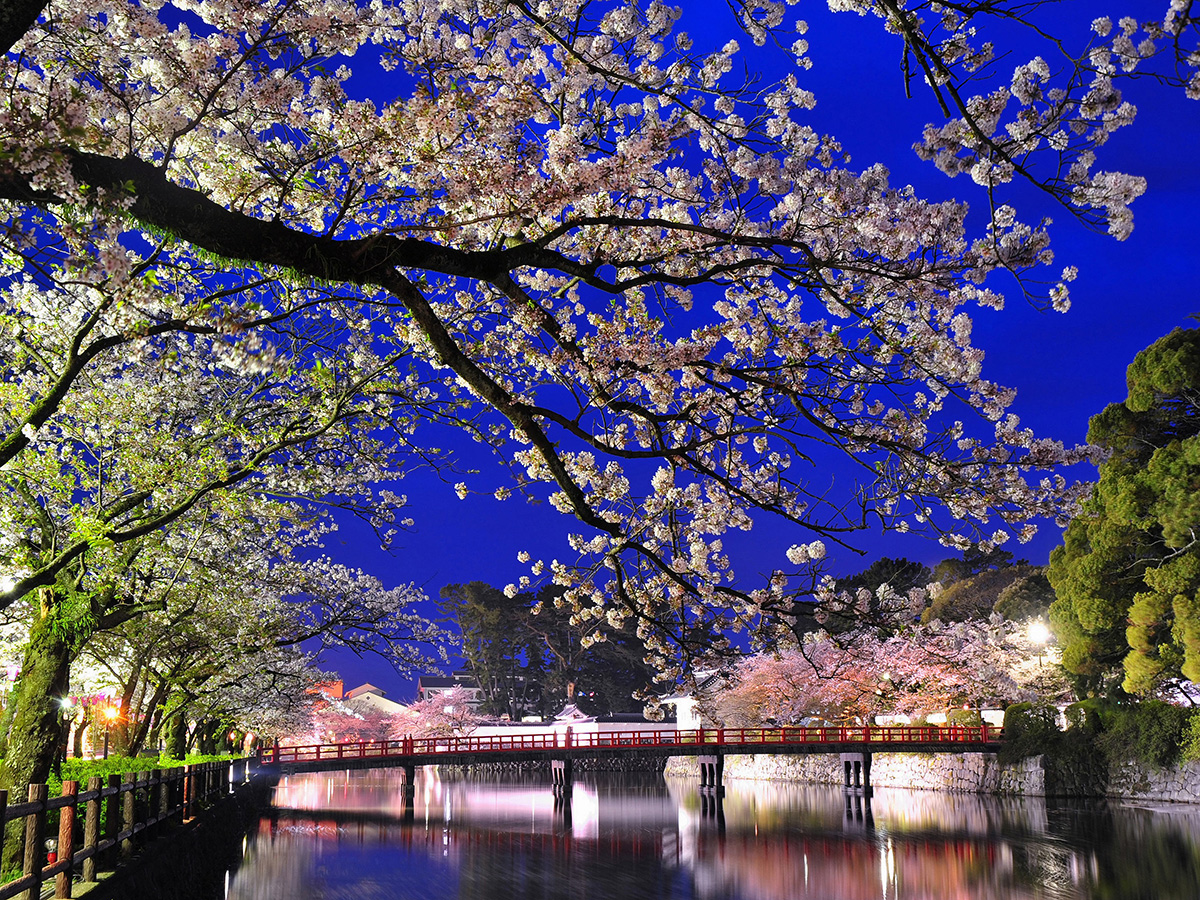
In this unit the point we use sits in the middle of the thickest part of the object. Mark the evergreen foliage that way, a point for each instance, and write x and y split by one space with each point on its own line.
1152 733
1026 597
1128 573
529 654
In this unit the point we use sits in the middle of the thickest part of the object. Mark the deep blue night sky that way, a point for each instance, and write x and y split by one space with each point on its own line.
1065 367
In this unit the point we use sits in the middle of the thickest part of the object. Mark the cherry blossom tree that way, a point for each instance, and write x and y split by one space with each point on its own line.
136 480
447 714
334 722
922 670
663 298
231 633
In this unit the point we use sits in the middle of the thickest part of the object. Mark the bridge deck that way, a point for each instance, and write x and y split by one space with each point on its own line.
476 750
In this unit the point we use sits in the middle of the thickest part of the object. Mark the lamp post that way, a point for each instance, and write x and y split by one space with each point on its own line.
1039 635
110 715
67 705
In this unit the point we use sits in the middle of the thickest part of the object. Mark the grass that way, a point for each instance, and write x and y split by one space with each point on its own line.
82 769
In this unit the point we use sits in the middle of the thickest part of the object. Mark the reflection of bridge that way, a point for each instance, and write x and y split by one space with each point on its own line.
711 745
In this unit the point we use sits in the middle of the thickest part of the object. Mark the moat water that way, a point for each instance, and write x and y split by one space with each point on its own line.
350 835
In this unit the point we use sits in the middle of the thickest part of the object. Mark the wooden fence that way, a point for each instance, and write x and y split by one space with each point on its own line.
118 814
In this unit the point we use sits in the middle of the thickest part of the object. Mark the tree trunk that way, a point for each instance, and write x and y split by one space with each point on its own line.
208 738
37 722
177 733
77 741
6 719
143 728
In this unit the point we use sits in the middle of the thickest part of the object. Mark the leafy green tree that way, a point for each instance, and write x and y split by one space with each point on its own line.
1128 572
530 652
1026 597
975 596
604 664
974 561
901 576
499 650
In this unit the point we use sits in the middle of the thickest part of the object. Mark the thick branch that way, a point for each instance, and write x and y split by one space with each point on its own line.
16 18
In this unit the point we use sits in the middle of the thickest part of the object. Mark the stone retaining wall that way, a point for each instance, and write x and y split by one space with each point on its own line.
976 773
1178 784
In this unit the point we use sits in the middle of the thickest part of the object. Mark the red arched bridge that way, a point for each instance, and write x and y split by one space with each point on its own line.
854 743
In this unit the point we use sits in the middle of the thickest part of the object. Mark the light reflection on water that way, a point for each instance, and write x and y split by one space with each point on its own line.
352 835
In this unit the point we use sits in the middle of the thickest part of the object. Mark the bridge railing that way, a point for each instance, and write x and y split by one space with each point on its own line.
896 735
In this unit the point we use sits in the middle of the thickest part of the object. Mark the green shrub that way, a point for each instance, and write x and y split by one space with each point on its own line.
1150 732
82 769
1029 729
1191 739
1086 716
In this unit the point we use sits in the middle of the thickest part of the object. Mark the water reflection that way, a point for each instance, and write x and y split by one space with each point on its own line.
354 835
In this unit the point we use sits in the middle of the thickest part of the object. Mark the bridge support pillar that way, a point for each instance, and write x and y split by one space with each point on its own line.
857 767
712 772
858 813
562 774
712 810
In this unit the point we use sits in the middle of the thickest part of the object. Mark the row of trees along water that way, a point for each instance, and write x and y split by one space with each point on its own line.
254 252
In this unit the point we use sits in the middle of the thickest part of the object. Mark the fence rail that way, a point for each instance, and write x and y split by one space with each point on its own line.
896 737
118 812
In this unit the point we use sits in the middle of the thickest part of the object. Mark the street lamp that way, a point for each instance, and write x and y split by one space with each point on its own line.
1039 634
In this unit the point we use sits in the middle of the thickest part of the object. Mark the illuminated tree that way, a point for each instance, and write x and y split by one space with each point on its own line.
448 714
926 669
662 297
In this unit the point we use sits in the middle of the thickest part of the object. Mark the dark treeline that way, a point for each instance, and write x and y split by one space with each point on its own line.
530 659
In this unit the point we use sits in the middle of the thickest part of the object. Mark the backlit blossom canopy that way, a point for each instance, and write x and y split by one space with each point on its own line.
644 279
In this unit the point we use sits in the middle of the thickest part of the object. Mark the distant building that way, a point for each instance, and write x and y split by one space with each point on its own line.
330 690
429 686
368 696
688 707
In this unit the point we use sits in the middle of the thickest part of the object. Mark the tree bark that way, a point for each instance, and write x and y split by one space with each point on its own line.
149 711
16 18
177 733
37 722
77 740
6 720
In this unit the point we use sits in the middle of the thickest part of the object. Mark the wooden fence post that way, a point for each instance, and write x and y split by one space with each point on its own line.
188 791
35 833
91 827
164 794
112 813
66 839
154 797
128 801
